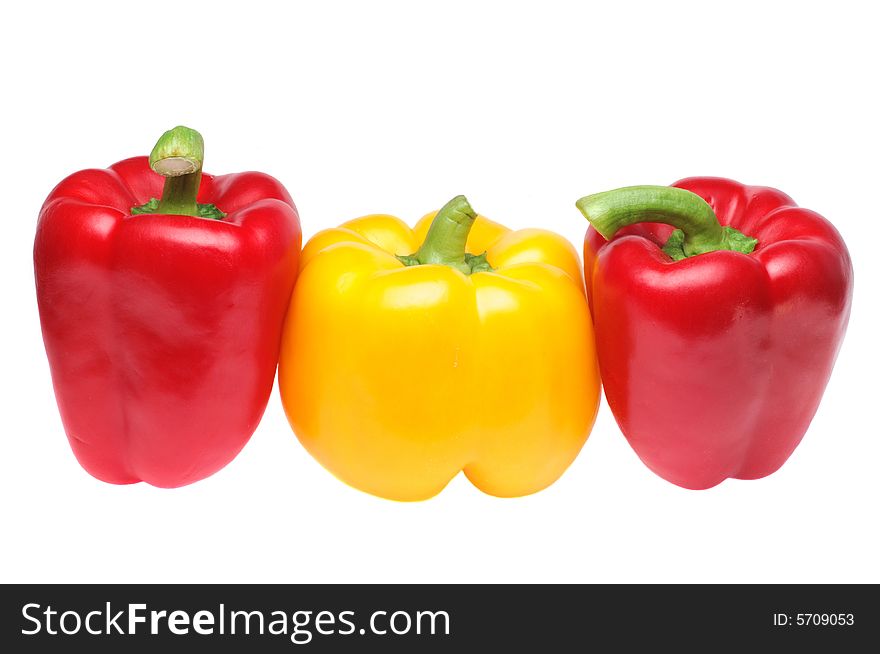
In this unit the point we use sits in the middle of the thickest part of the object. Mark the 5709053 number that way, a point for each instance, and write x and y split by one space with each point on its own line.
813 619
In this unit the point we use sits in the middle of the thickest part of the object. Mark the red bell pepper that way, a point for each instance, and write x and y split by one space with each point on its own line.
716 340
162 317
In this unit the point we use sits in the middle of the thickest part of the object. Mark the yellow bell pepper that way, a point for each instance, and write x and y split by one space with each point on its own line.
405 360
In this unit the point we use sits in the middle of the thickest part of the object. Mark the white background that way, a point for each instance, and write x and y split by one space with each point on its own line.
396 107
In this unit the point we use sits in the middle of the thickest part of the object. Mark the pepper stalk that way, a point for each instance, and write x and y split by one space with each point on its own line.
697 228
447 238
178 156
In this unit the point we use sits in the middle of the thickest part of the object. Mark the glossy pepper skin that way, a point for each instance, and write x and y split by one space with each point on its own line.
714 365
397 377
162 331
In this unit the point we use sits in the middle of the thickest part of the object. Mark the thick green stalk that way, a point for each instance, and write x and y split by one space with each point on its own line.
446 240
178 156
698 230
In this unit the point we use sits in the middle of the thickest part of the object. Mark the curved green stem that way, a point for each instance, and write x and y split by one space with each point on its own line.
178 156
446 240
698 230
179 194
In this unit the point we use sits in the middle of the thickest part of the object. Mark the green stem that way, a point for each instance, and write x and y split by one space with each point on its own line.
179 194
447 238
178 156
698 230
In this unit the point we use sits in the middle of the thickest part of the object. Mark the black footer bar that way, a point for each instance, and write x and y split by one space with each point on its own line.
426 618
